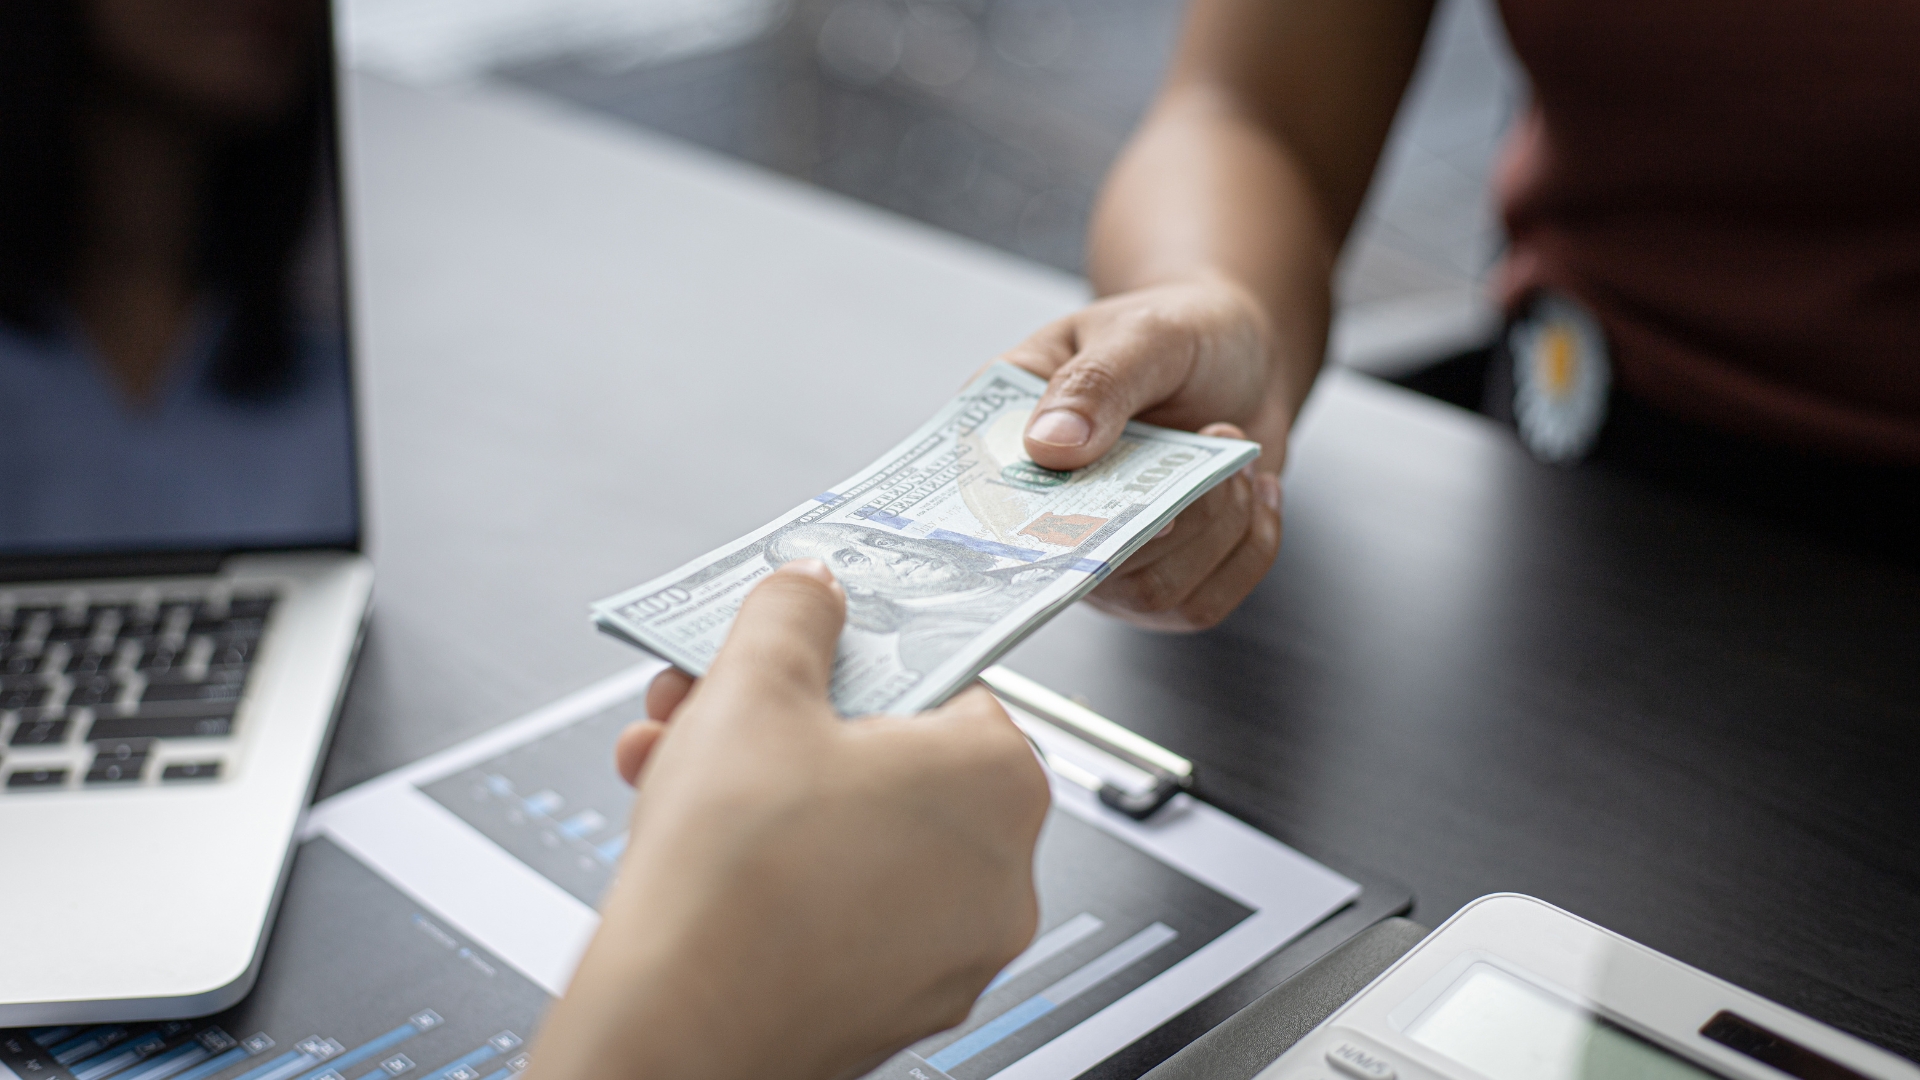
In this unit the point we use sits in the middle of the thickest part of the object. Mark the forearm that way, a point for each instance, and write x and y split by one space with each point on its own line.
1206 192
1213 249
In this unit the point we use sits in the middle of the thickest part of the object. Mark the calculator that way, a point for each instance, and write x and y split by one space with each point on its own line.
1513 988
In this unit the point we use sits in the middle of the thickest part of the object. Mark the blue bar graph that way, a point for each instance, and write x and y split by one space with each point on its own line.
307 1059
291 1068
279 1063
47 1036
485 1053
1046 947
180 1057
117 1058
367 1049
105 1052
581 824
90 1041
992 1032
1095 972
609 851
231 1057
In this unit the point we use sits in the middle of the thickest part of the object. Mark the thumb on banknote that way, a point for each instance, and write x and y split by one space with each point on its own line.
1097 380
782 642
778 656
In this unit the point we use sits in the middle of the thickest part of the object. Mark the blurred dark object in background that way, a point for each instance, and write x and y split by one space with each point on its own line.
998 119
992 119
995 119
1873 510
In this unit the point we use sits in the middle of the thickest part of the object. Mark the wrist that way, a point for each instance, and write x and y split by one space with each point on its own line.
1290 340
638 1008
1231 308
670 990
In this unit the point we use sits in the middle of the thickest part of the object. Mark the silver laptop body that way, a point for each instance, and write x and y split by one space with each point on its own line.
181 584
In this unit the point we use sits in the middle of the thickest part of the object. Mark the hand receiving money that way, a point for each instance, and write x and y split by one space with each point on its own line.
952 547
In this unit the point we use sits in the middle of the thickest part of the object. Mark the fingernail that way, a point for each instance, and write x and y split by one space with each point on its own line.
1060 427
1268 488
1164 530
812 568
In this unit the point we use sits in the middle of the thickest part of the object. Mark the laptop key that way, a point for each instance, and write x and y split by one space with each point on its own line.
191 770
116 770
232 651
36 779
91 663
119 749
163 727
29 621
24 698
158 658
249 628
92 690
40 733
249 607
173 710
21 660
188 691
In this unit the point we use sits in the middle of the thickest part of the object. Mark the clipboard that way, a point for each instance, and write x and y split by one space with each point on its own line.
1224 1036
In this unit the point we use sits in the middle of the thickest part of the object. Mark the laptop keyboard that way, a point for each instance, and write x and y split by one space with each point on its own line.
100 692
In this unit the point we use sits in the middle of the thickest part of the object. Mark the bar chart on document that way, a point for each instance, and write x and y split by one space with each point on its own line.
1112 916
359 983
555 803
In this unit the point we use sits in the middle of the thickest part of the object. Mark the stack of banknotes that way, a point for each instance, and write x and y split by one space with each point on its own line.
952 548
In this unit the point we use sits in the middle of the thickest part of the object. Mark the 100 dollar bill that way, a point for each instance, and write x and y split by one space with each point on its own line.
951 548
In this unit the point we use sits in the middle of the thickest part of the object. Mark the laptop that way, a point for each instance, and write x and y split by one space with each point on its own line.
181 583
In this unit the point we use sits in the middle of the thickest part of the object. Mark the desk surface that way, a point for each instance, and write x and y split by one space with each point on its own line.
591 355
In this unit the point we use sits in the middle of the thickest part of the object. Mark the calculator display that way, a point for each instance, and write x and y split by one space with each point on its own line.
1507 1029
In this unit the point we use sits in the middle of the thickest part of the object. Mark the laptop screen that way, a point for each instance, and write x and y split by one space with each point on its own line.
173 345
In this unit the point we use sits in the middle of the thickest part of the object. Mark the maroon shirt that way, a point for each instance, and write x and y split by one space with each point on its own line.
1734 187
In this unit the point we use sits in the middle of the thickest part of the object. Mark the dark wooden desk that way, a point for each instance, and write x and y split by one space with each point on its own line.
591 357
1487 675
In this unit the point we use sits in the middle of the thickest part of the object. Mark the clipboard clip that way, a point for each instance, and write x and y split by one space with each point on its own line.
1129 773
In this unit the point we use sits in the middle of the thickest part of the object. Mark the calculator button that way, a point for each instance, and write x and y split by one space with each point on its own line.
1358 1062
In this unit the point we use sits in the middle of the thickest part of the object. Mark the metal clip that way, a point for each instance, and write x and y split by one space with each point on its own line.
1145 774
